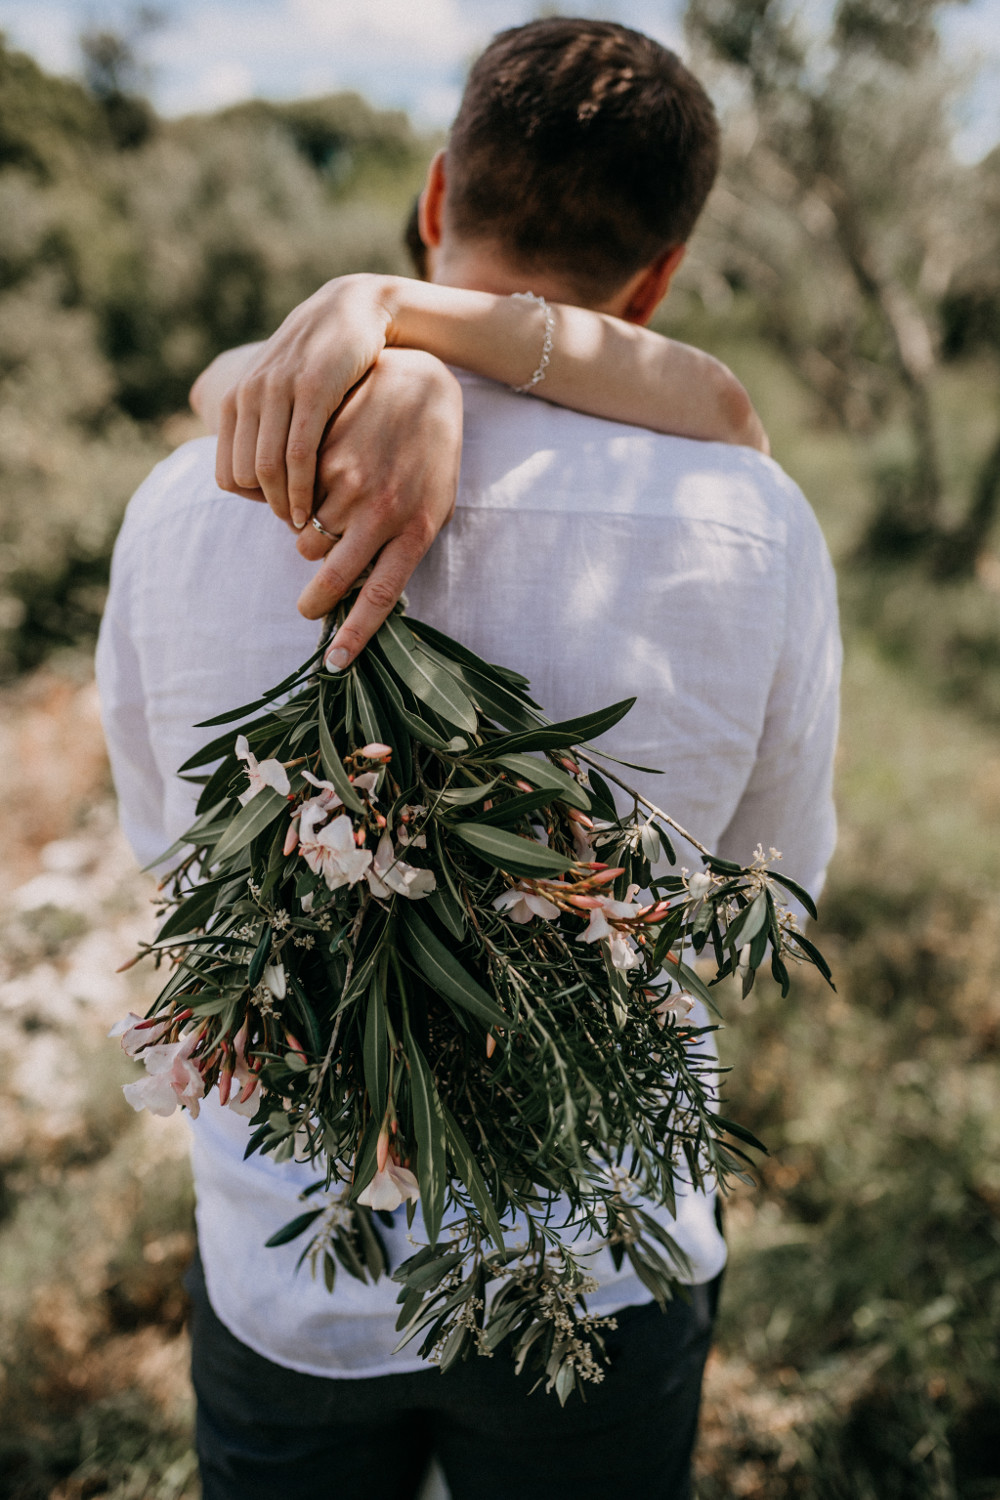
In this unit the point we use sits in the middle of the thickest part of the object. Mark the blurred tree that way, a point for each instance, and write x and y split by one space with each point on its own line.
844 212
117 78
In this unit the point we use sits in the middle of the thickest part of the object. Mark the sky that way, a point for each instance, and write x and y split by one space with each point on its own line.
409 54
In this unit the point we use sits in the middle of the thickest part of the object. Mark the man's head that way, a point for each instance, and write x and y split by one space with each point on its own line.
582 150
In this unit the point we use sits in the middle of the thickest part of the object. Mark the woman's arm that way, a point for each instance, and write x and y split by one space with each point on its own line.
272 420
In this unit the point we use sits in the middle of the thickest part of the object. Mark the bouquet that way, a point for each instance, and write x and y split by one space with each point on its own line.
414 937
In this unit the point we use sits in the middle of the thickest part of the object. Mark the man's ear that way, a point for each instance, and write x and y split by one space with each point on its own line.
431 212
649 286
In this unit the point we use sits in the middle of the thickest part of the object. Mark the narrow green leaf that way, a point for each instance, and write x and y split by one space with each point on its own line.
376 1048
332 763
443 971
798 891
429 1128
427 680
560 736
251 820
507 851
367 711
259 959
504 676
544 774
292 1230
448 911
466 796
510 810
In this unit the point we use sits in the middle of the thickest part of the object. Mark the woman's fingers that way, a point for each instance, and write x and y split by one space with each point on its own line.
274 416
377 596
245 438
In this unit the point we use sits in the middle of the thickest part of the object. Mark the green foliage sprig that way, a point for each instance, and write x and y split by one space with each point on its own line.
413 948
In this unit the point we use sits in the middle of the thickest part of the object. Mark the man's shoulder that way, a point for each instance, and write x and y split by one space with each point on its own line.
524 453
183 478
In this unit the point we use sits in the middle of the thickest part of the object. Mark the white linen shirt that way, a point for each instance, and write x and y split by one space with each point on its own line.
601 561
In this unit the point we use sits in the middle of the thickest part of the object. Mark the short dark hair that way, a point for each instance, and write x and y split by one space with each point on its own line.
581 146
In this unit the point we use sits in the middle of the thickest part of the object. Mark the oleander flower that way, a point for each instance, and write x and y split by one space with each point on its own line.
136 1034
171 1079
389 873
699 884
679 1004
390 1187
261 773
330 851
521 905
624 955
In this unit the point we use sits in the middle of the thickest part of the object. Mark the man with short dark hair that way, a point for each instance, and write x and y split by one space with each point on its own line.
598 559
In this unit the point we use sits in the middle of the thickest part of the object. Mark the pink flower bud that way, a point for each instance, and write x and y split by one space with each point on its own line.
491 1044
382 1149
375 751
291 839
523 786
575 816
605 877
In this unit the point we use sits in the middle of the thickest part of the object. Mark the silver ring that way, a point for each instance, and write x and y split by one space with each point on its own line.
318 526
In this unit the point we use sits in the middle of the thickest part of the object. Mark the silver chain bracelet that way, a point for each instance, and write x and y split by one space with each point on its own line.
550 323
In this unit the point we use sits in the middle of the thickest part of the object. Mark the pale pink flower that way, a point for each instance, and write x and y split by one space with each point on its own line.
172 1079
389 1188
388 873
135 1035
261 773
366 782
329 797
679 1005
331 851
521 905
623 954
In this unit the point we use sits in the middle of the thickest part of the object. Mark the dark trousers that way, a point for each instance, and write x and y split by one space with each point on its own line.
268 1433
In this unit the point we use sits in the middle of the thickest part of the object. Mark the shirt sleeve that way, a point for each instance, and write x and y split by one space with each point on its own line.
788 800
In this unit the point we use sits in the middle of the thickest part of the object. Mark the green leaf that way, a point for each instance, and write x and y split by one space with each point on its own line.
749 922
251 820
429 1128
798 891
426 679
510 810
259 959
468 1169
333 765
544 774
368 708
509 852
443 972
466 796
376 1048
292 1230
605 797
448 911
560 736
502 676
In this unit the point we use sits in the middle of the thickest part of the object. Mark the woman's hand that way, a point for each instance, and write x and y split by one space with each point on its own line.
386 484
273 419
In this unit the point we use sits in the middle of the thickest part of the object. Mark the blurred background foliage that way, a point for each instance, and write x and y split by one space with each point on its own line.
848 268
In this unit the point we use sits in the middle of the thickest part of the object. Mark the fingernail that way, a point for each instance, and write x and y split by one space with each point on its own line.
336 659
299 519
